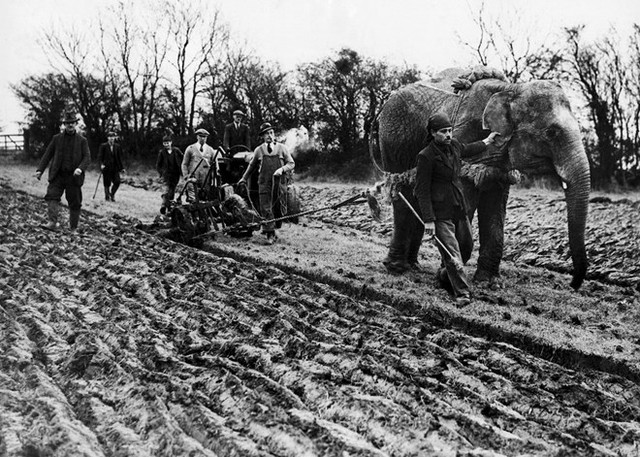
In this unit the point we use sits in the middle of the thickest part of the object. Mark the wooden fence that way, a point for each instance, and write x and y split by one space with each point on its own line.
12 144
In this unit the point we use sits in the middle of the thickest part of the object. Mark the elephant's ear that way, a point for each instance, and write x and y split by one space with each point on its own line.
497 114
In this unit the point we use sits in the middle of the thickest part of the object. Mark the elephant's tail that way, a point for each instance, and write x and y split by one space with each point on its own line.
374 143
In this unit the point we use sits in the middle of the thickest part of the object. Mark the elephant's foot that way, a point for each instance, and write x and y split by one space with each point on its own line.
487 280
396 267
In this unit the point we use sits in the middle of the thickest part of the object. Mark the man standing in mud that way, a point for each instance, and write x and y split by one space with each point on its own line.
110 158
199 159
273 161
169 167
69 155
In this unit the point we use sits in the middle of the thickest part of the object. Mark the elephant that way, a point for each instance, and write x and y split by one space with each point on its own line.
539 135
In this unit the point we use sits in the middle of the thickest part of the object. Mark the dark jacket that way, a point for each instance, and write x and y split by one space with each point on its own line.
236 137
438 188
112 160
169 166
80 157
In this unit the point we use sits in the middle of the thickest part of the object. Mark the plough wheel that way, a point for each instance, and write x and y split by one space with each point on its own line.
182 219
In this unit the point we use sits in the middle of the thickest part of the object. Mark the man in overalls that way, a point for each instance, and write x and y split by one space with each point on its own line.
274 160
198 159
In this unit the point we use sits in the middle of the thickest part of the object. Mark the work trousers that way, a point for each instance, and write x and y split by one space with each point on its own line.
65 183
169 185
111 179
454 235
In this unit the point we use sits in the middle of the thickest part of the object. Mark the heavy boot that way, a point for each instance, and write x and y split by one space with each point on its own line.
114 188
74 217
107 195
52 214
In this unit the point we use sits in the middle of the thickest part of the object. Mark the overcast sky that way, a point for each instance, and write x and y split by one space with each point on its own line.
421 32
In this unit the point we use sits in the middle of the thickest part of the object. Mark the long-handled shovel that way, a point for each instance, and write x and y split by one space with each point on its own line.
97 184
455 261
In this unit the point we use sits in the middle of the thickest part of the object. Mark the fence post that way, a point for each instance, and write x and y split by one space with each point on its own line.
25 144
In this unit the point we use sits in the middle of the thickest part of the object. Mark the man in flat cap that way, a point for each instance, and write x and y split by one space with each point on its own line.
69 155
236 135
169 167
199 159
274 162
110 159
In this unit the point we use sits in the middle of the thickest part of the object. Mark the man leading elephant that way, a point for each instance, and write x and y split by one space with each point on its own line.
439 194
539 135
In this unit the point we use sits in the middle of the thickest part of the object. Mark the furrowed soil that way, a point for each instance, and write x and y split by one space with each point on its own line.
115 341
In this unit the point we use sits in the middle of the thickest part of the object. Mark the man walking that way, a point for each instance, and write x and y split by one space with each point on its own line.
168 165
69 155
438 191
110 158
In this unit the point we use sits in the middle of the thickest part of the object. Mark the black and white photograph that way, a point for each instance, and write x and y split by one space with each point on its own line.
300 228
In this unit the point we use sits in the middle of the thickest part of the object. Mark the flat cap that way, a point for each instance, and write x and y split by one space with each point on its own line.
202 132
265 127
239 112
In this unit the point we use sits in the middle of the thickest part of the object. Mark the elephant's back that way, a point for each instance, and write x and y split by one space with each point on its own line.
403 120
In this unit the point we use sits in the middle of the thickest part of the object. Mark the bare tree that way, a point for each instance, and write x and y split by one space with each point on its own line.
197 34
598 72
70 54
507 41
133 55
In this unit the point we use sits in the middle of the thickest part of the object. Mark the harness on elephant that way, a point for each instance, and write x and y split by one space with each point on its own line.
454 115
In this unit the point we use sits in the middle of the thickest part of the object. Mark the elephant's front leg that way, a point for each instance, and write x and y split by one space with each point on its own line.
491 207
407 234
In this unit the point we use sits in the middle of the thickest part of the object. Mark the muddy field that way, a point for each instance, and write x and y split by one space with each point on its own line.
116 342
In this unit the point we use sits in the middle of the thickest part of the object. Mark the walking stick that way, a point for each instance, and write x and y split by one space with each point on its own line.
97 184
415 213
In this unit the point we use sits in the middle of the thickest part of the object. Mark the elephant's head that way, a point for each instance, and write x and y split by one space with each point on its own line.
543 137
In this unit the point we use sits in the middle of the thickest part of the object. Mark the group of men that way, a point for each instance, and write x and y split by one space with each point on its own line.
438 189
68 157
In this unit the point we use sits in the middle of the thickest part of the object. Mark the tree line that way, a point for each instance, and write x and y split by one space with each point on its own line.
177 68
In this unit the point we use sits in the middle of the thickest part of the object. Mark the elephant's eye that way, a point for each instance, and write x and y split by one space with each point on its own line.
552 133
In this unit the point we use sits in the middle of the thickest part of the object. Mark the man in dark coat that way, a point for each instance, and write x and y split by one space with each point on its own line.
236 135
69 155
442 206
169 167
110 158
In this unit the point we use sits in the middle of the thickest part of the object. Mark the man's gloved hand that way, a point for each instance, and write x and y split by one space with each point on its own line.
102 166
278 172
77 172
38 175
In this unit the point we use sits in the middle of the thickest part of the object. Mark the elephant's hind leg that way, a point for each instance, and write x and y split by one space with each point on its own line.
492 207
407 235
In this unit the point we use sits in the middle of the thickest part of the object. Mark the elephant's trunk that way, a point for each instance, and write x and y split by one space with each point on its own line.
573 169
